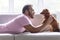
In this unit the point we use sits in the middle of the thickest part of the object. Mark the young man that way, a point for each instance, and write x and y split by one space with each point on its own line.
22 23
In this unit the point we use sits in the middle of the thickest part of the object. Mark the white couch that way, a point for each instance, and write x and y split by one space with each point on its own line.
6 36
31 36
27 35
38 36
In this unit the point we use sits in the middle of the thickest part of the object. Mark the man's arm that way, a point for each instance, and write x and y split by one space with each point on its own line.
34 30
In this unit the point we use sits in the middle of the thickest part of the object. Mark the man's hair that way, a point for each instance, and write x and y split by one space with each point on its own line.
26 7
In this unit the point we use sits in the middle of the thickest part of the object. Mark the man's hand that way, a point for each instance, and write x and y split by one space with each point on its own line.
50 19
47 28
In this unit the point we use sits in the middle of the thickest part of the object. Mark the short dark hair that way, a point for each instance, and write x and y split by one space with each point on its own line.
26 7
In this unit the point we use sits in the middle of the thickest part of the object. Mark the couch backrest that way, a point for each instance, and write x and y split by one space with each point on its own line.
6 18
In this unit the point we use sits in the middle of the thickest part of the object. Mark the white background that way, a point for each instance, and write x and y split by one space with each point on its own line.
13 7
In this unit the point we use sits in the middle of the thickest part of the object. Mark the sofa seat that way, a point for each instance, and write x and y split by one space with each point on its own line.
38 36
6 36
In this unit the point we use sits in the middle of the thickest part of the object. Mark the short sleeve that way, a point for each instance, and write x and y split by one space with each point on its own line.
24 21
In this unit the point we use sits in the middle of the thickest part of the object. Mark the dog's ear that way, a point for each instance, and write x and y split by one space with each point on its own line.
43 12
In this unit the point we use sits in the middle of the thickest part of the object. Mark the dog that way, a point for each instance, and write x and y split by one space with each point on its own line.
54 23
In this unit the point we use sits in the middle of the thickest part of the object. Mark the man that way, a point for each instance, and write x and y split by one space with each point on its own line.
30 14
22 23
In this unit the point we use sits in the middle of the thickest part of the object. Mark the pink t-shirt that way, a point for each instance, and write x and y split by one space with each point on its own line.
16 25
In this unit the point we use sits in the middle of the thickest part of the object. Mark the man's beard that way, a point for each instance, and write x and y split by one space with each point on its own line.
31 15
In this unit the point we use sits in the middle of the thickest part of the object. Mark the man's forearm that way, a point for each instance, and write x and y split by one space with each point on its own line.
42 27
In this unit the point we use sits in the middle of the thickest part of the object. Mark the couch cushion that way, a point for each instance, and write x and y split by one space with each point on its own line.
6 37
38 36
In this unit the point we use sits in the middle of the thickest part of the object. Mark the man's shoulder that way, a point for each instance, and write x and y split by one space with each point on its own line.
21 17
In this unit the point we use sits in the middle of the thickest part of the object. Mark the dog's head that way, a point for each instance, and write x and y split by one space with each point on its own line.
46 13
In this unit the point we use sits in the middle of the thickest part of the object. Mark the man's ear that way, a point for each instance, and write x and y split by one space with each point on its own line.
26 12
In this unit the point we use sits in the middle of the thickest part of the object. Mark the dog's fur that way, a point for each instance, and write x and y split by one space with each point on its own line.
54 23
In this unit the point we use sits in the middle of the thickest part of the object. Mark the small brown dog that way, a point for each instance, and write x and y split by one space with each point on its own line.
54 23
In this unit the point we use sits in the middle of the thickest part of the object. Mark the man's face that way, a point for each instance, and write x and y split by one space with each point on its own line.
31 12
